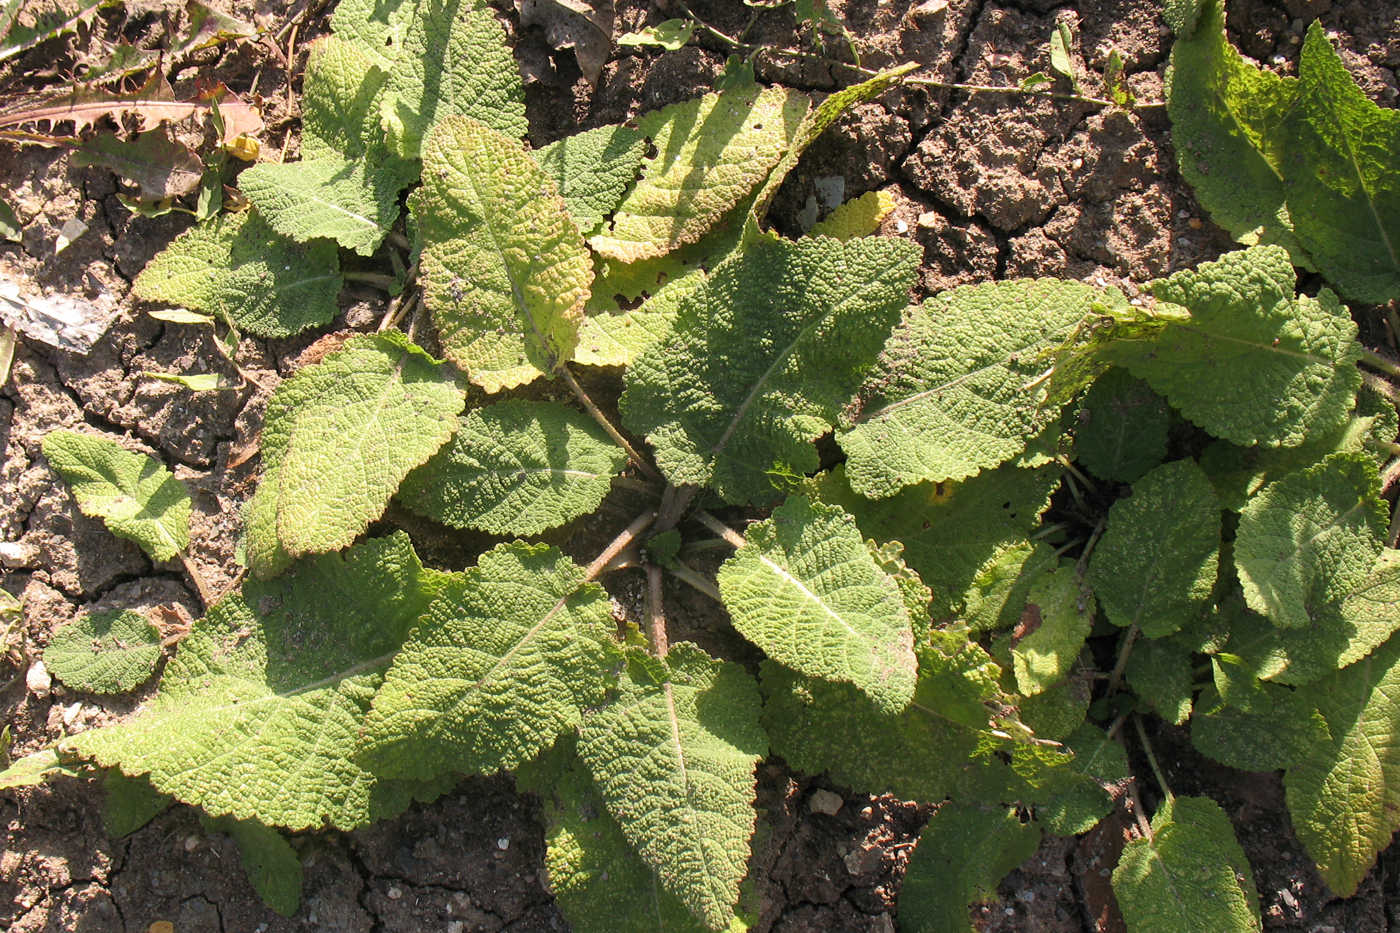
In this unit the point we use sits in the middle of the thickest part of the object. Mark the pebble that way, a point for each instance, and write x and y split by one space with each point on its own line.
71 711
503 843
863 860
161 926
37 679
191 843
825 802
394 893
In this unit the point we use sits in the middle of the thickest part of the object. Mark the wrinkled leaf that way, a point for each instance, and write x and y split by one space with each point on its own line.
105 652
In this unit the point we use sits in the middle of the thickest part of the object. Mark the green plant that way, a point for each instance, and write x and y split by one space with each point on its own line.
1030 469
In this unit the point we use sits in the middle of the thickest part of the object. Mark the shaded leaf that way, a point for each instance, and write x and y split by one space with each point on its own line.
129 803
1121 427
592 169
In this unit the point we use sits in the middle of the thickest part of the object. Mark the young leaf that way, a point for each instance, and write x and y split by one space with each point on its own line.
805 589
949 397
599 882
674 758
963 852
346 186
1342 176
136 497
39 767
949 532
1227 123
105 652
1183 15
338 438
503 662
237 266
1159 671
516 467
272 865
1156 564
1253 364
1058 618
710 153
670 35
1061 41
129 803
1191 875
441 61
1310 539
762 358
592 169
505 271
258 713
856 218
1344 798
1121 427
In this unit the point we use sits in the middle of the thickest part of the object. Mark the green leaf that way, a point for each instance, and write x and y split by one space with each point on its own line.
505 271
258 714
1059 616
711 153
503 662
857 217
670 35
963 852
437 67
1344 798
105 652
599 882
338 438
1182 15
674 758
136 497
592 169
1191 875
805 589
1160 673
1061 41
1253 364
273 867
237 266
1227 118
129 803
950 395
609 338
998 591
1275 728
1310 539
1073 799
949 531
1121 427
38 768
1156 564
517 467
10 227
763 357
1342 176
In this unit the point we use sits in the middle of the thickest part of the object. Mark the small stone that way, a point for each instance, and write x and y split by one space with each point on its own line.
901 227
928 220
71 711
456 926
161 926
927 10
825 802
503 843
862 860
17 554
1076 163
191 843
37 679
1194 223
394 893
883 924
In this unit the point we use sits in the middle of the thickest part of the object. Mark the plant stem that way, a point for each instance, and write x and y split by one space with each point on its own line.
1152 759
597 414
378 279
694 579
619 544
1139 814
1121 664
1382 363
1092 543
398 309
636 485
732 537
656 616
398 239
207 596
1074 471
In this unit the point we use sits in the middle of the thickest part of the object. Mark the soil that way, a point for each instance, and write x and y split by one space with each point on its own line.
990 186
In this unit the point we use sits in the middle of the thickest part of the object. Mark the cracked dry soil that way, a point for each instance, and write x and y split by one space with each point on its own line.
990 187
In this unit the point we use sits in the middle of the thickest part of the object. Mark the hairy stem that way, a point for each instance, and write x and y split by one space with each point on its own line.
1381 363
732 537
1152 758
1124 651
378 279
597 415
407 297
694 580
656 614
619 544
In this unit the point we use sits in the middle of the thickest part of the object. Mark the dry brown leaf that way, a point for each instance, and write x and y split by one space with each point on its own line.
585 26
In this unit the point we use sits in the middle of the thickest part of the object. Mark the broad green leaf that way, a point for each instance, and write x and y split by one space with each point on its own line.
592 169
1310 539
1191 875
1072 799
616 339
1058 618
1341 633
805 589
105 652
136 497
516 467
129 803
1160 672
504 269
505 660
442 60
1238 473
39 767
950 396
674 757
996 596
338 438
963 853
949 531
258 714
856 218
599 882
1342 176
670 34
711 153
273 867
1182 15
762 358
1253 364
236 266
1057 711
1121 428
1156 564
1227 119
346 186
1276 728
1344 798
